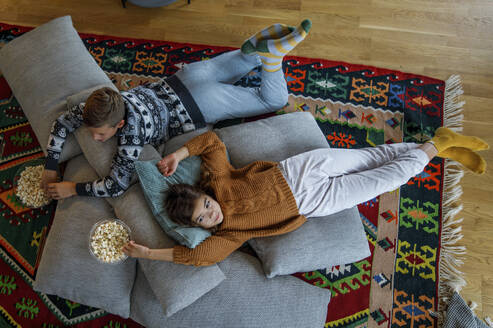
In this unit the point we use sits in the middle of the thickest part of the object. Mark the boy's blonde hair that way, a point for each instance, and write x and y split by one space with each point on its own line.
104 106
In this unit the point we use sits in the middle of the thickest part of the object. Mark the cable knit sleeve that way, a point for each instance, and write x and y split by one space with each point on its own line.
211 149
212 250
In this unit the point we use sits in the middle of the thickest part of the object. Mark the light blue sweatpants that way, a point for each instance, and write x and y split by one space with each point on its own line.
210 82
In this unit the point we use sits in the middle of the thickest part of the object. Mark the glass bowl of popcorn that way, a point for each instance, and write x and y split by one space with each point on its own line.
27 184
106 240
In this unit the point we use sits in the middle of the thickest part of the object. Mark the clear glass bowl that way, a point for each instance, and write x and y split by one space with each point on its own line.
93 230
35 162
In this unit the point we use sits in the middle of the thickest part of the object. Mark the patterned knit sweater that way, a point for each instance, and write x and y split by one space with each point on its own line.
256 201
153 114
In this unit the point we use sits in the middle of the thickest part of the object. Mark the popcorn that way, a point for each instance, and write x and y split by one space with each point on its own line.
29 189
107 240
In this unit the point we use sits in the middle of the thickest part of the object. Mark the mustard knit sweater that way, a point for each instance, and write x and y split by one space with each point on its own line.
256 201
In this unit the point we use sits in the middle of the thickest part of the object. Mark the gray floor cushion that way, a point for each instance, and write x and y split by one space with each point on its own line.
319 243
67 269
273 139
45 66
246 298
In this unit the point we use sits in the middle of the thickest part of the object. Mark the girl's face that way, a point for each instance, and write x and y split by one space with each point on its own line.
207 212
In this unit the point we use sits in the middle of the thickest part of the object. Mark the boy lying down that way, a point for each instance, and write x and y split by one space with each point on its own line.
268 198
202 92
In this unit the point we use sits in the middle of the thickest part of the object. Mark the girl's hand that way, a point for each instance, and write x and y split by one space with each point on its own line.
167 166
133 249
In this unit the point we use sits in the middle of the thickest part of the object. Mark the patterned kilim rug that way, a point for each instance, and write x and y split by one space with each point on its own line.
400 285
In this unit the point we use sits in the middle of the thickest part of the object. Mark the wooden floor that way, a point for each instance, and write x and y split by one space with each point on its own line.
435 38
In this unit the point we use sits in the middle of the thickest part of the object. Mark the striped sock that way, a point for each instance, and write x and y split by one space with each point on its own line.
272 52
275 31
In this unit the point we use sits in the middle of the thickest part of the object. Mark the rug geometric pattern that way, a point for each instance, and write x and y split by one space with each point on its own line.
355 106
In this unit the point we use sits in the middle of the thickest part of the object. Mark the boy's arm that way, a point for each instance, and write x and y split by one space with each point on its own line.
62 126
122 168
116 182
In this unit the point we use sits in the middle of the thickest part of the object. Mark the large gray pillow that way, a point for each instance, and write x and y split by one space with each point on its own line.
67 269
246 298
274 139
319 243
45 66
311 246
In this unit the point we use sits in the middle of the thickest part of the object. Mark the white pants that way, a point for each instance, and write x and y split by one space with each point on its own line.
329 180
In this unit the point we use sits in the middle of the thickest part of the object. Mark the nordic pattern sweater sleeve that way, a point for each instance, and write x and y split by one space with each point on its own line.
62 126
122 168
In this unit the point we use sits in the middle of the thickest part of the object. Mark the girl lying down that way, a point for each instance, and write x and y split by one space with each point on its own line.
269 198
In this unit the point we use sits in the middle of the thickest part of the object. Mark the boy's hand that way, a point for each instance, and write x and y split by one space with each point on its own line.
133 249
167 166
49 176
61 190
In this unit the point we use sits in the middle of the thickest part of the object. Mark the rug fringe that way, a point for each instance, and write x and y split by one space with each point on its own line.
453 116
450 277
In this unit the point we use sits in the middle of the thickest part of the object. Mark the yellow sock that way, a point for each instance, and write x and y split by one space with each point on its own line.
445 138
468 158
274 31
272 52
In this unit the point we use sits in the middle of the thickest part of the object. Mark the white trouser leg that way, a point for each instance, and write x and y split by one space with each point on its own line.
326 181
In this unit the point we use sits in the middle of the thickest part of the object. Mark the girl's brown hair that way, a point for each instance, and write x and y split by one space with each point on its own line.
104 106
180 203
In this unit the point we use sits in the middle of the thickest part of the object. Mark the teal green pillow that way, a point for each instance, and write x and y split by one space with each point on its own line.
155 186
